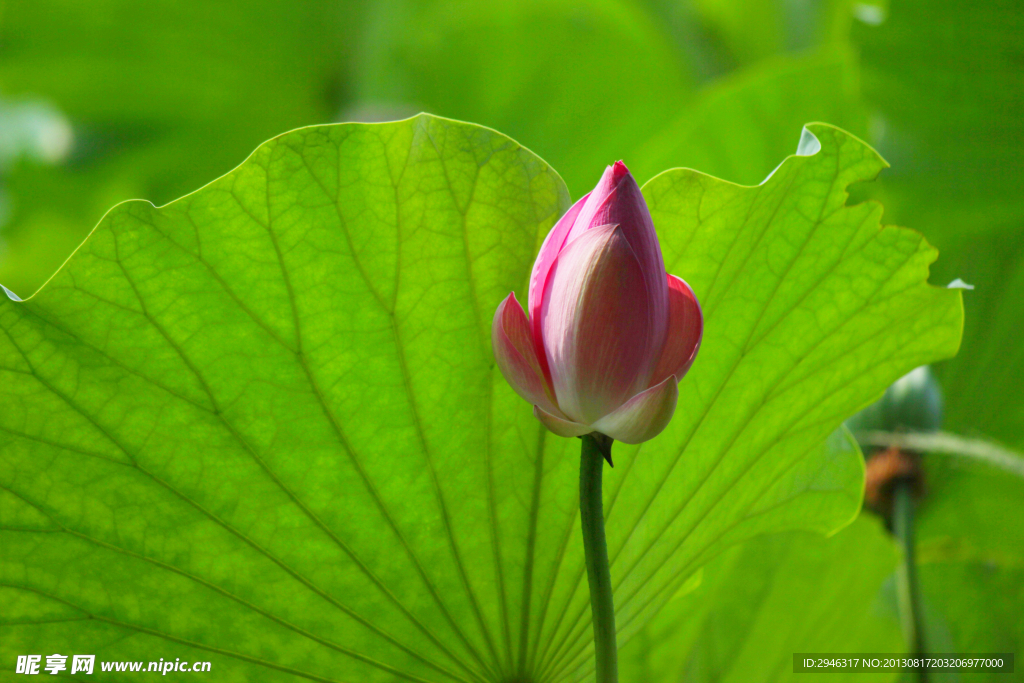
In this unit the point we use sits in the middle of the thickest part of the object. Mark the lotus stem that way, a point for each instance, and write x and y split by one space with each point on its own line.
596 448
906 576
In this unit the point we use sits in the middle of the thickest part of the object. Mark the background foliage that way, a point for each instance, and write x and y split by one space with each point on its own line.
162 97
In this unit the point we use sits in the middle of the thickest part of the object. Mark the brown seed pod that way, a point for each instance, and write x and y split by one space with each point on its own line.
884 469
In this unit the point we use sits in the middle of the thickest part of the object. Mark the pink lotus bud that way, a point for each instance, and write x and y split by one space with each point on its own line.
610 334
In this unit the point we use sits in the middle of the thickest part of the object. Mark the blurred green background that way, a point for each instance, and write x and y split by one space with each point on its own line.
112 100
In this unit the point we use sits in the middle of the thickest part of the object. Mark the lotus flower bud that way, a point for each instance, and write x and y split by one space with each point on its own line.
913 403
610 333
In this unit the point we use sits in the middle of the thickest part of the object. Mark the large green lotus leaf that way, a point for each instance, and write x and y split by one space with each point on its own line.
970 512
579 82
261 426
970 529
753 30
162 97
722 36
772 596
945 80
739 127
973 607
983 395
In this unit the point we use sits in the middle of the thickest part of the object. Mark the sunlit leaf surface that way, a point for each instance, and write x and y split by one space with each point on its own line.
261 426
578 83
162 97
971 556
773 596
945 82
739 128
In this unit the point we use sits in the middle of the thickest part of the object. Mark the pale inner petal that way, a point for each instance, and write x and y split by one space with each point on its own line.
597 325
549 251
617 200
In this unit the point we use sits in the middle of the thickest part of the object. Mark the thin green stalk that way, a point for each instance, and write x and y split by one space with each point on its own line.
592 456
946 443
906 576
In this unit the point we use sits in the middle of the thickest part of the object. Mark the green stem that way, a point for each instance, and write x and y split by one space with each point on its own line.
595 449
906 576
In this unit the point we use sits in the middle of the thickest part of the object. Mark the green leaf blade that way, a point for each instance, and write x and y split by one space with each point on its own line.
226 297
770 597
262 425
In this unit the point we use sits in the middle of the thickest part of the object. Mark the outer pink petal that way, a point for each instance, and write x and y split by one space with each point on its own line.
549 251
514 351
597 325
685 330
643 416
617 201
566 428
